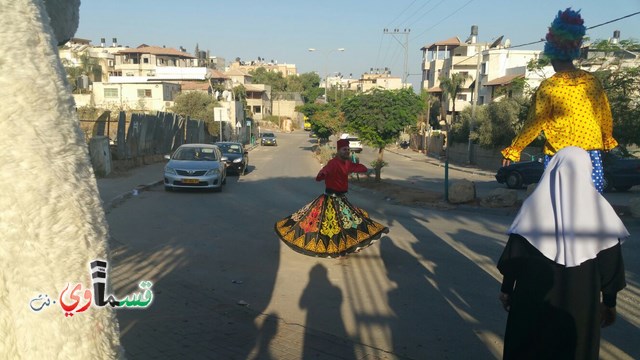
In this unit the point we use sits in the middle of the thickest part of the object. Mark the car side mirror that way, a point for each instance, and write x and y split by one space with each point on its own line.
224 158
246 152
167 157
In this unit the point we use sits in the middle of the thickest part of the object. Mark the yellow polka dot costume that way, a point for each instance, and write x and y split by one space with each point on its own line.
571 109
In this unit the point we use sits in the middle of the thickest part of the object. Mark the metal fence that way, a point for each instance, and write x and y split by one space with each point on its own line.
144 134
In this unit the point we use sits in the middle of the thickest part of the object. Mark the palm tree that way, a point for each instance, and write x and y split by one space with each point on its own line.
450 89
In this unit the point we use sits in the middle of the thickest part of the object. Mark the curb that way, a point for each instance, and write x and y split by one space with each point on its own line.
438 164
129 194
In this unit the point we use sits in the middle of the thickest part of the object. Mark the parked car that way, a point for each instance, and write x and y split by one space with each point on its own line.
237 156
354 142
268 139
199 166
621 171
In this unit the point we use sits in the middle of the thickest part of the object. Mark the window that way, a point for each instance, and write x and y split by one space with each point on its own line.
144 93
110 92
257 110
461 97
145 60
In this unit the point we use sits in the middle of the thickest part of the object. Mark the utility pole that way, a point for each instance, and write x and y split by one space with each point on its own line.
474 102
405 45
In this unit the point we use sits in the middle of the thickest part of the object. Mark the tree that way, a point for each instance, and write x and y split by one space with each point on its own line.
198 106
622 87
496 123
450 88
88 66
325 119
272 78
379 116
311 85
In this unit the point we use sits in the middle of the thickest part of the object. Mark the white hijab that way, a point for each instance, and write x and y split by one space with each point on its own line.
566 218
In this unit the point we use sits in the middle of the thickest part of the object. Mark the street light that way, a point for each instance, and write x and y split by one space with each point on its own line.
326 74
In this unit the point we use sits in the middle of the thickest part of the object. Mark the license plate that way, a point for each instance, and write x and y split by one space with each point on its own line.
190 181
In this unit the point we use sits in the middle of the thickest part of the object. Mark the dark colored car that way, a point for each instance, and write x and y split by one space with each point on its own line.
237 156
268 139
621 171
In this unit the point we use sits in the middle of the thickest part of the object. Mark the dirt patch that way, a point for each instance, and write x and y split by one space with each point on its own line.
403 195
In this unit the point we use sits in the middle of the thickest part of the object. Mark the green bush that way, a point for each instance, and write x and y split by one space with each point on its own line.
325 153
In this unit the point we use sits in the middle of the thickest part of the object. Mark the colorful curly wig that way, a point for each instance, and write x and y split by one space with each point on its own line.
564 38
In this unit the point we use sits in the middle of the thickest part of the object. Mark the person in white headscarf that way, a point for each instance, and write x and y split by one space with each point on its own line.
562 265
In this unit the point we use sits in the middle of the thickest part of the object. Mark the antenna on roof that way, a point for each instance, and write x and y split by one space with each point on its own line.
497 42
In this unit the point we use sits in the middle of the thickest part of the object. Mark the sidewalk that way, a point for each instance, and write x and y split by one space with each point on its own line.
116 188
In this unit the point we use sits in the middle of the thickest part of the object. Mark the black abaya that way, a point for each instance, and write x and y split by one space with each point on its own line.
554 310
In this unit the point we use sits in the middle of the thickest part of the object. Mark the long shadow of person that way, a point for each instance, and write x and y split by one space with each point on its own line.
266 333
323 300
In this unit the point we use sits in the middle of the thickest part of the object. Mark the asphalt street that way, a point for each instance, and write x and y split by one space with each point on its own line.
225 288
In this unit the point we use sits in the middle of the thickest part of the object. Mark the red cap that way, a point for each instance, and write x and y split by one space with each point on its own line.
342 143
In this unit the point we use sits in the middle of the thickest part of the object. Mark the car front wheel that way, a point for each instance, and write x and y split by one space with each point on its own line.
514 181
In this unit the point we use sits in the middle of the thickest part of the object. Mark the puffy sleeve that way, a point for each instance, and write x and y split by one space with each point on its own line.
539 114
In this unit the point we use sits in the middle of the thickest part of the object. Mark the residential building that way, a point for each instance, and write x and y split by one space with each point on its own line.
157 63
501 66
494 66
615 57
376 80
284 106
259 100
284 69
137 95
448 57
238 77
100 59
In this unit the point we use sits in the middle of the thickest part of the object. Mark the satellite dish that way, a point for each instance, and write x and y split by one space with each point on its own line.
507 43
497 42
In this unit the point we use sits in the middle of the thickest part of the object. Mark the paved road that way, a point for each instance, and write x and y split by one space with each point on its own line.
226 288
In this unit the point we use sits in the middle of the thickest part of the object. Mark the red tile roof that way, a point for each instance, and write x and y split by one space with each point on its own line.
194 85
503 80
454 41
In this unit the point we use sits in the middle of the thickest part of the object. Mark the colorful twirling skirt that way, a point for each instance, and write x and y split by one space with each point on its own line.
329 226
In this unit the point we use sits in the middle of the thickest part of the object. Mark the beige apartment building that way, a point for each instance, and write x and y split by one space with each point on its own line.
493 65
376 80
273 66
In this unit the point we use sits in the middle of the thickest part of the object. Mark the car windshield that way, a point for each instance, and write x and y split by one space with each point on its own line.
195 154
230 148
268 135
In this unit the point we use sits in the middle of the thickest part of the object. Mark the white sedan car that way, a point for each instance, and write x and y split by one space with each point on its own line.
195 166
354 143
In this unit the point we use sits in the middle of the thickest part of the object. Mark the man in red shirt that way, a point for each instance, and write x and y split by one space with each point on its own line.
336 173
330 226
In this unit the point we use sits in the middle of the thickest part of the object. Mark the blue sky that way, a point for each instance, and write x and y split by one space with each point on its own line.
283 30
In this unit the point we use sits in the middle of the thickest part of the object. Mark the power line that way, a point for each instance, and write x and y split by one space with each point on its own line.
589 28
446 17
614 20
402 12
